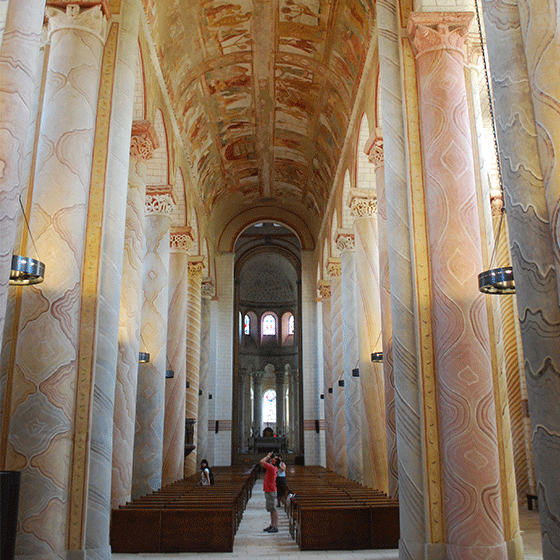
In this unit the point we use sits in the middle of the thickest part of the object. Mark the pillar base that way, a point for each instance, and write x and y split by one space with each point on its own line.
498 552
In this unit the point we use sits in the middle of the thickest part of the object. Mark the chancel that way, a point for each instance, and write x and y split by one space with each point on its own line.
286 204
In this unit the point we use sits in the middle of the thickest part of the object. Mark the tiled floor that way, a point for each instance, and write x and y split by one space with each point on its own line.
251 542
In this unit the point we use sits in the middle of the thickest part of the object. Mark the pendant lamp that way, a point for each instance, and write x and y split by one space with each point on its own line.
25 270
498 281
143 357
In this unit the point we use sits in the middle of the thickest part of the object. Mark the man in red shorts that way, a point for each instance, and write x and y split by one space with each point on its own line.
269 487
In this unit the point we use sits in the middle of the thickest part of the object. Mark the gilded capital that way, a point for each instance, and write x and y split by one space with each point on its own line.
181 238
159 199
363 203
334 268
345 240
324 288
431 31
374 149
196 267
208 288
143 140
79 16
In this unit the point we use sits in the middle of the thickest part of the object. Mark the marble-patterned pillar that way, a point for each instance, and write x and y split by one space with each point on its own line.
374 151
150 400
339 430
532 242
196 269
19 56
419 525
364 210
541 44
294 403
465 394
353 403
325 295
51 382
143 143
258 377
174 419
208 292
280 402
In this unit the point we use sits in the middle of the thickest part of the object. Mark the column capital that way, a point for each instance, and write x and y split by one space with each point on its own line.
143 140
374 149
345 240
363 203
81 4
324 287
208 288
196 267
431 31
258 376
496 201
86 16
334 267
159 199
181 239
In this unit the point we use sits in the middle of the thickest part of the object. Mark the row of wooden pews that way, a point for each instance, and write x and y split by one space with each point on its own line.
327 511
185 517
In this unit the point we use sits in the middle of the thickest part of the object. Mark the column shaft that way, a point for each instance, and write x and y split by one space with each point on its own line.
327 373
202 439
470 458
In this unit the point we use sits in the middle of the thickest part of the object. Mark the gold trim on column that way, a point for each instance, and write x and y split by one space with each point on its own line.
89 304
436 522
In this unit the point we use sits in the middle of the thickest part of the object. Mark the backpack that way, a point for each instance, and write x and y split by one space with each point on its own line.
211 477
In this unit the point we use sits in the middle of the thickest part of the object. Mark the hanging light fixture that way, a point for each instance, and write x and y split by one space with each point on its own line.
500 280
143 357
25 270
377 357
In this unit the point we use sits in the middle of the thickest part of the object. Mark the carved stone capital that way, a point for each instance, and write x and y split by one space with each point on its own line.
159 199
374 149
431 31
363 203
196 267
78 16
345 240
334 268
181 239
496 201
208 288
324 288
83 4
143 140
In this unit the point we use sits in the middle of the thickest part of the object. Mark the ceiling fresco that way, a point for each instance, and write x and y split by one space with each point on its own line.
263 91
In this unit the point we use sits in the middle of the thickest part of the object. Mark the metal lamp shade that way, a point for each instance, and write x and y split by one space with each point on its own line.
497 281
143 357
26 270
377 357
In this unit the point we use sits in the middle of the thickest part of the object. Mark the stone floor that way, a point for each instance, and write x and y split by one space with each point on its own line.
251 542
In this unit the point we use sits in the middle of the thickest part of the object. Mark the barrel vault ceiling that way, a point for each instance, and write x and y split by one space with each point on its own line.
263 91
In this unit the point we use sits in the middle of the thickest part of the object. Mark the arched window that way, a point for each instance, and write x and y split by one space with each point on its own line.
269 407
291 325
269 325
247 325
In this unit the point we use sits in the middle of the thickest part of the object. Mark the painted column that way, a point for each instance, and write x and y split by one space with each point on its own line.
19 57
257 401
364 210
419 525
174 419
339 429
204 385
280 403
325 294
49 379
465 392
532 243
353 404
150 401
143 143
196 269
374 151
541 42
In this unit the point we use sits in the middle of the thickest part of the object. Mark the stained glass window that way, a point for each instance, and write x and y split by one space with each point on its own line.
247 325
291 325
269 324
269 406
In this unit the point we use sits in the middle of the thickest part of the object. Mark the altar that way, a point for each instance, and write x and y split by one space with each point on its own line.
266 444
